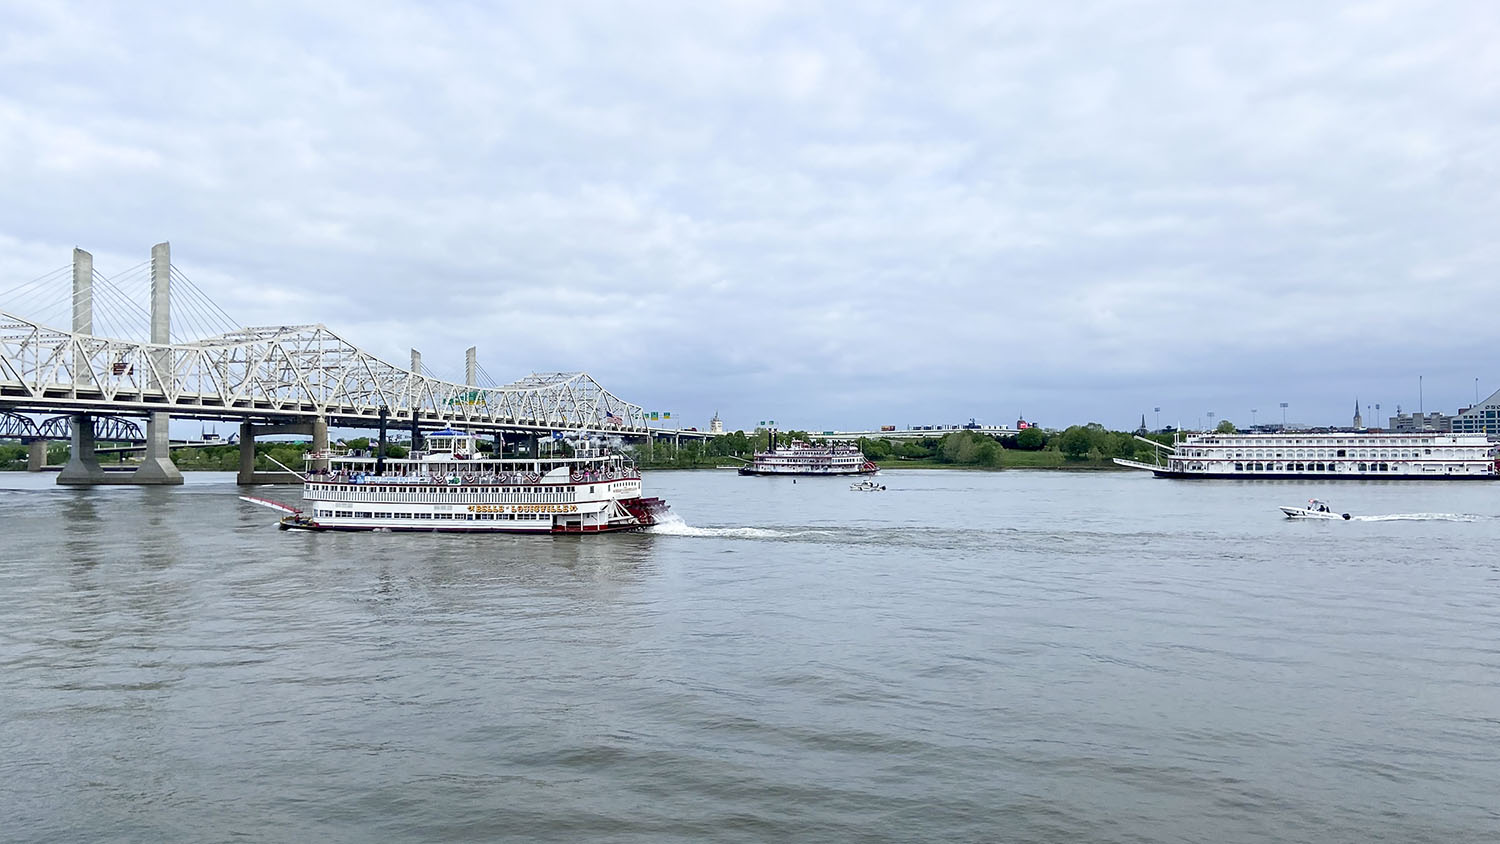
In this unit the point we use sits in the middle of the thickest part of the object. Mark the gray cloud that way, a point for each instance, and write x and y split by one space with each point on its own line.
784 211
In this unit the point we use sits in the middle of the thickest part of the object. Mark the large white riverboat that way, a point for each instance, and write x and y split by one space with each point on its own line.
803 459
449 487
1327 456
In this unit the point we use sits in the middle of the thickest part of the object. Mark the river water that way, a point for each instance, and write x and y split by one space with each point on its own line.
967 656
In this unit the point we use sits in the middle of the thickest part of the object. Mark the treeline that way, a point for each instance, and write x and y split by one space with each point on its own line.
1082 441
1076 444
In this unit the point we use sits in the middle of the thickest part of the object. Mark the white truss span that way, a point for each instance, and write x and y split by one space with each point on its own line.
282 371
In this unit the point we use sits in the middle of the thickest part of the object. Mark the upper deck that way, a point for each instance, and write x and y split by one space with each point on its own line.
452 457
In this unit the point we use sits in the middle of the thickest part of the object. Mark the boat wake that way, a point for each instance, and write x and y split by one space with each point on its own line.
1418 517
673 525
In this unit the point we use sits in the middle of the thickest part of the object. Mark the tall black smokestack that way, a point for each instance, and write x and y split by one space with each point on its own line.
380 453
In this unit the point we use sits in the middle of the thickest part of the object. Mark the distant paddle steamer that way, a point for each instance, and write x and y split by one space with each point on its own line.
1327 456
800 458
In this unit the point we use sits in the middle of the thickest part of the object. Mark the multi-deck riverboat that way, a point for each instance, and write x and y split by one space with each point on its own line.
450 487
1327 456
803 459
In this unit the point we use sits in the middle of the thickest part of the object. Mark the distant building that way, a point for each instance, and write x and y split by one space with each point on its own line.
1359 422
1411 423
715 426
1482 418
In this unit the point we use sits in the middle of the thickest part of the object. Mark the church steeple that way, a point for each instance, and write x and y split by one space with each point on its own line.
1359 423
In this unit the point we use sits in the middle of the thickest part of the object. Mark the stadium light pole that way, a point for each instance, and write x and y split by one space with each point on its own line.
1283 416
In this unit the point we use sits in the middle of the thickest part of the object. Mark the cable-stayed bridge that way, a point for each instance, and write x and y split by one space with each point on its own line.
278 379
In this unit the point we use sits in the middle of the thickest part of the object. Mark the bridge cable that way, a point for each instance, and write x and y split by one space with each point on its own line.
34 294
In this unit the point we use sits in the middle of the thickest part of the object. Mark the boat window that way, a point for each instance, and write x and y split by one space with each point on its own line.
1341 453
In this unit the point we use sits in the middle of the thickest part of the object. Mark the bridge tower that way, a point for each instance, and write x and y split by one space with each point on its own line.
157 467
83 464
83 467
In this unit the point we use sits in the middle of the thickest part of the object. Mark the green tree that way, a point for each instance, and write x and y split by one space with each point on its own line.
875 449
1224 427
1031 439
1118 444
1076 442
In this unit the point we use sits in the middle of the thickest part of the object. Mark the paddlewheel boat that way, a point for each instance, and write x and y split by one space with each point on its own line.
1334 455
800 458
449 487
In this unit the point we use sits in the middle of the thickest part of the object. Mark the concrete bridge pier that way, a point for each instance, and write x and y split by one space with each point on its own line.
248 476
83 464
157 467
320 444
36 455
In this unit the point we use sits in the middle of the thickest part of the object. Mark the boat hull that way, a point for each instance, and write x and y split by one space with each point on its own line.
747 470
642 513
1305 476
559 530
1304 513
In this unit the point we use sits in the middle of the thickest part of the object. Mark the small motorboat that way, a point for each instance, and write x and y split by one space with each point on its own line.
867 486
1315 509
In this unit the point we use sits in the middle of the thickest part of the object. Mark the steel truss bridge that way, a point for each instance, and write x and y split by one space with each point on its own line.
282 373
14 426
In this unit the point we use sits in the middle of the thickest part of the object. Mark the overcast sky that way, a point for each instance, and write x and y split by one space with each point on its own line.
833 215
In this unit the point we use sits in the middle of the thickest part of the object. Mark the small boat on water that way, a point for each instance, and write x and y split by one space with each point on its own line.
1315 509
867 486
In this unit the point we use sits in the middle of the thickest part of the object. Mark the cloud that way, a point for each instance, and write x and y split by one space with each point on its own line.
794 210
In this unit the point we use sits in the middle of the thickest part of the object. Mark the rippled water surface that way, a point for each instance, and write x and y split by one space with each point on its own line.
963 657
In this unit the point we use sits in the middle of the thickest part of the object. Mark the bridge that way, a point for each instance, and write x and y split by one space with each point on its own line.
297 379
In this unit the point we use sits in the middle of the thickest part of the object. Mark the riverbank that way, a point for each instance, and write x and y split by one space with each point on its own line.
1030 460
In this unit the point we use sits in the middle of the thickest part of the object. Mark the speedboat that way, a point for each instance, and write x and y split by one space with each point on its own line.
1315 509
867 486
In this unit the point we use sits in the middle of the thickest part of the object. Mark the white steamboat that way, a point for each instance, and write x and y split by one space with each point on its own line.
803 459
450 487
1327 456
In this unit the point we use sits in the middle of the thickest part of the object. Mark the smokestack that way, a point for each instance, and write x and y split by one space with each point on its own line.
380 453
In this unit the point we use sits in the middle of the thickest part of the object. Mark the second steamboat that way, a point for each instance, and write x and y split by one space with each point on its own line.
1327 456
801 458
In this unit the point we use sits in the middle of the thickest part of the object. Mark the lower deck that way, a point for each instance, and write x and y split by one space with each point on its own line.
538 526
1324 476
